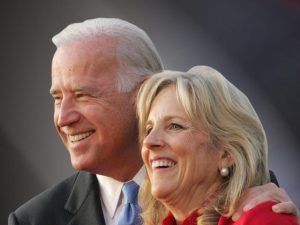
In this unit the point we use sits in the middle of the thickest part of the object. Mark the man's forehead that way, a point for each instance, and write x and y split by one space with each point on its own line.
94 44
100 77
86 55
89 86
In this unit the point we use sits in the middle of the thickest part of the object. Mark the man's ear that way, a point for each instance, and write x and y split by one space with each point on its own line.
137 88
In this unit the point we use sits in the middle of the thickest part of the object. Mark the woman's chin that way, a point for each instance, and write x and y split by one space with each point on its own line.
160 193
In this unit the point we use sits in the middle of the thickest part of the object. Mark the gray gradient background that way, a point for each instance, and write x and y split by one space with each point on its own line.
255 44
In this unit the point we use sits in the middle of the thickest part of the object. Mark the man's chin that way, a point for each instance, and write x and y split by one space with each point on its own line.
78 164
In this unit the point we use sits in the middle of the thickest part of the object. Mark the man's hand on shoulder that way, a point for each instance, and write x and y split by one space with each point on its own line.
268 192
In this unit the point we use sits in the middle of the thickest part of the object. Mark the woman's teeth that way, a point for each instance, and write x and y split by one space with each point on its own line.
162 164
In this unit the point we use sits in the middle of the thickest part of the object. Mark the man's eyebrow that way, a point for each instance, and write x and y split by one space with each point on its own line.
90 89
86 89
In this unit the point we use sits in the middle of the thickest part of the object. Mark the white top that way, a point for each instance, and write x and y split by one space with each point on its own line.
112 199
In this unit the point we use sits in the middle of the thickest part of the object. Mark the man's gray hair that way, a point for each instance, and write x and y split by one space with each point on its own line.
136 52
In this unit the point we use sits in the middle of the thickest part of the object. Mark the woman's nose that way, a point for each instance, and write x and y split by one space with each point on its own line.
154 140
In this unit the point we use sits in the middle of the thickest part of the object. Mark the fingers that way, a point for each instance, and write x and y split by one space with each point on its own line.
260 194
285 207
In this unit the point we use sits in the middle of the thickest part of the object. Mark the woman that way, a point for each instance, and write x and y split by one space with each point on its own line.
203 145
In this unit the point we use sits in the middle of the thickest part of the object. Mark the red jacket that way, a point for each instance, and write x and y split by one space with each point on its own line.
259 215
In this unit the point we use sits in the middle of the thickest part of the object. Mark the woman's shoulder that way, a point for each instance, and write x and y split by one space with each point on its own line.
262 214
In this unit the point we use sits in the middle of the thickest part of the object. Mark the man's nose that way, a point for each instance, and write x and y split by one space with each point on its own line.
67 113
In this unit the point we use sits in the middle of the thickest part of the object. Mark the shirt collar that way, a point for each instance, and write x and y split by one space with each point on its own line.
111 189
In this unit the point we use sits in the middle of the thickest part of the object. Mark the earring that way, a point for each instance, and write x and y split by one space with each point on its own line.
224 172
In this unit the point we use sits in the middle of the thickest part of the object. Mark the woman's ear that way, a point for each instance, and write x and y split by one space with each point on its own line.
225 160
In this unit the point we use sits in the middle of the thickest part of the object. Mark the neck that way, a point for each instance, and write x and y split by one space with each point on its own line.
183 205
125 173
123 168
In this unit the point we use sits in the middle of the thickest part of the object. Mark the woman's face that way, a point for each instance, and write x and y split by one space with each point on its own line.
178 157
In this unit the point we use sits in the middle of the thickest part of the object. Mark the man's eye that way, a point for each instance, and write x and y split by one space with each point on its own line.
83 97
175 126
57 100
80 95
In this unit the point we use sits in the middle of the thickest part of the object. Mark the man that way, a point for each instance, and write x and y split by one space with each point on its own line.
96 71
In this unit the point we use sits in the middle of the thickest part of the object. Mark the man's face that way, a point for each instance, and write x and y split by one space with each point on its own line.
96 123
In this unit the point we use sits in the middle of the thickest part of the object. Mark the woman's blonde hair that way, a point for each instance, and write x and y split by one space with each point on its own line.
228 117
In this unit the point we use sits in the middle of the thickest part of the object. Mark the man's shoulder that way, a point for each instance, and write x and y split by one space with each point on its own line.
56 193
49 203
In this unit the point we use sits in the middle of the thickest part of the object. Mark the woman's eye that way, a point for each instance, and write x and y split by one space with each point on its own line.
148 130
175 126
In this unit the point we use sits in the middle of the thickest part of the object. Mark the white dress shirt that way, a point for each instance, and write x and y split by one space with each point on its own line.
112 199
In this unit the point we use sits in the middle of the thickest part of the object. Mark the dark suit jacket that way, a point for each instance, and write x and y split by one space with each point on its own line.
73 201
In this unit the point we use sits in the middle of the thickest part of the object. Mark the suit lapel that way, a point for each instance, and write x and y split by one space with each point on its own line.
84 201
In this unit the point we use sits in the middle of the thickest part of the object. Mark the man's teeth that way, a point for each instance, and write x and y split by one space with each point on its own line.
162 164
78 137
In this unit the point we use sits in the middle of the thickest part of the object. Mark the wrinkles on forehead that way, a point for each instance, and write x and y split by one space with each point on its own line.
89 61
100 53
